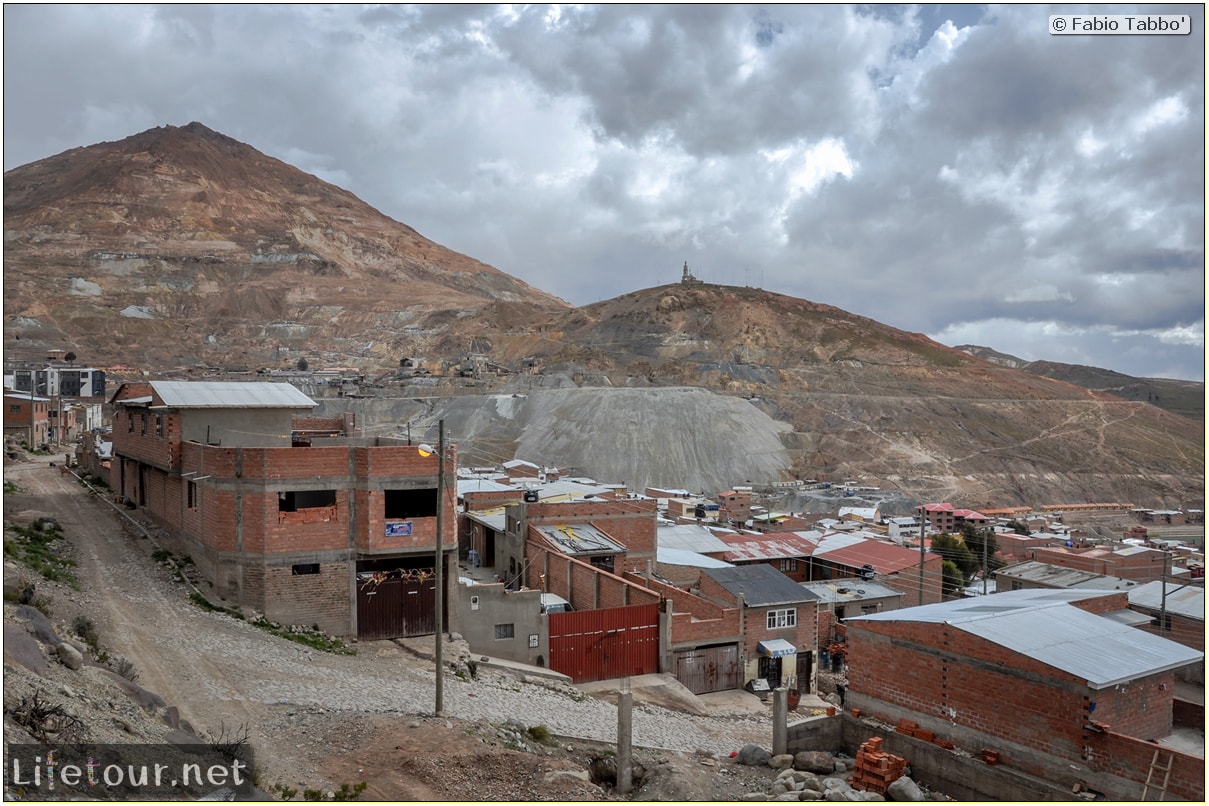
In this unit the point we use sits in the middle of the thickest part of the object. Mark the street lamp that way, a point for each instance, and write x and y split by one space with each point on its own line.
439 609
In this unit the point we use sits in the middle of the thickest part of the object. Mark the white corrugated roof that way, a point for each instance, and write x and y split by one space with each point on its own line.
1187 601
689 537
1041 624
230 395
689 558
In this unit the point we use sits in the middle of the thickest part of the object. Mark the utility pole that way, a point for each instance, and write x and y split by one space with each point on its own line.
1163 601
985 539
440 569
921 554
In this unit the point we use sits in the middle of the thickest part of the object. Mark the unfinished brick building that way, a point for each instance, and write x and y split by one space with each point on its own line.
292 515
1049 680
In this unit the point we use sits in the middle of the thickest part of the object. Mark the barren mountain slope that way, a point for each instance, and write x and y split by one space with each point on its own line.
180 246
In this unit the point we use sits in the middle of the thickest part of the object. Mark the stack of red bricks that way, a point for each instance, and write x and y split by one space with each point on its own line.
908 728
875 769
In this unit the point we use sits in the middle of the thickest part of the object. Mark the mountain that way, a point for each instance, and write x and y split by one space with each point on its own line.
182 248
1179 397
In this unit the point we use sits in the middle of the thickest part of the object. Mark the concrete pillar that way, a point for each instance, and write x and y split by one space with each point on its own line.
780 721
625 730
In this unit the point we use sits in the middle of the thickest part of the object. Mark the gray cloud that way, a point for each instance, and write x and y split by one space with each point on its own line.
953 170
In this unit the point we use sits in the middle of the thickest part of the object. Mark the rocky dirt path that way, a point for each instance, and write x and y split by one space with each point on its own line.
307 711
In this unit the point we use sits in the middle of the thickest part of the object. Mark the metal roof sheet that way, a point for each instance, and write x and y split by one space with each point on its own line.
857 590
230 395
1058 576
688 558
579 538
497 521
690 537
1041 624
771 546
760 585
1187 601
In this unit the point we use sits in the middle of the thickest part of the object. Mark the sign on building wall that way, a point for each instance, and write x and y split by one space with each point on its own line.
398 529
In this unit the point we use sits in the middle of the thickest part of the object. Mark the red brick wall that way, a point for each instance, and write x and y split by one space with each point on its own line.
802 636
907 582
162 452
490 499
694 619
582 584
1108 603
825 623
310 599
943 673
1130 758
630 522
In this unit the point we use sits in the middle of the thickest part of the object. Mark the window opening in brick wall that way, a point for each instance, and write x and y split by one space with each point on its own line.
303 569
789 565
159 425
143 417
779 619
410 503
294 500
129 422
192 491
503 631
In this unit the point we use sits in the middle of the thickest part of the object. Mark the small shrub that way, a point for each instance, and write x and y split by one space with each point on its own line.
161 555
126 669
350 793
541 735
46 722
84 627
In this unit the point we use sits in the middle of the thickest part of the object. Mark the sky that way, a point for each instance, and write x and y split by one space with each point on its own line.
951 170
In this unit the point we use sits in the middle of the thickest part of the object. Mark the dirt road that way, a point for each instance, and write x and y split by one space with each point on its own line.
317 720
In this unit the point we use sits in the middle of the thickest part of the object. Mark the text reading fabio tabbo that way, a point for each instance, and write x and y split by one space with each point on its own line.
1120 24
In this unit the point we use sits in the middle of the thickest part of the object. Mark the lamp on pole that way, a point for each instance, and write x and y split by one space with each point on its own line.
439 578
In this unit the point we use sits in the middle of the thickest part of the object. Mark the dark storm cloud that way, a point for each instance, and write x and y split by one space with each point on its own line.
953 170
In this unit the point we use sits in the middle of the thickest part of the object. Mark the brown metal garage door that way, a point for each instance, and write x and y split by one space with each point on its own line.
706 669
395 608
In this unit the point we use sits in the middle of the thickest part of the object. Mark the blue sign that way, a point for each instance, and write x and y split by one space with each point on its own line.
396 529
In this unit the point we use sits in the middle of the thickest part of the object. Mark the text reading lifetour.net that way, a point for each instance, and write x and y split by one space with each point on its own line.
1120 24
126 771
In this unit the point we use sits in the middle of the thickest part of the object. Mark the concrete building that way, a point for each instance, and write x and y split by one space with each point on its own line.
779 617
294 516
27 418
1049 680
1033 574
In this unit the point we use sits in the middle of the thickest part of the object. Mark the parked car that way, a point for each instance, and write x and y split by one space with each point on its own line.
553 603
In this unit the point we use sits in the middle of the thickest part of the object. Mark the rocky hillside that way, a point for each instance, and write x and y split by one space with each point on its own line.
1179 397
860 400
182 247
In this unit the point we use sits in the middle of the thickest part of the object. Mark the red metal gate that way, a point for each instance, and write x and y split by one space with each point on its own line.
395 608
592 645
706 669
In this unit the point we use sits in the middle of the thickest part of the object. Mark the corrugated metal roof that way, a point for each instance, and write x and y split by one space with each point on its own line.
690 537
1041 624
689 558
858 590
497 521
886 558
484 485
760 585
771 546
1186 601
230 395
1058 576
579 538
